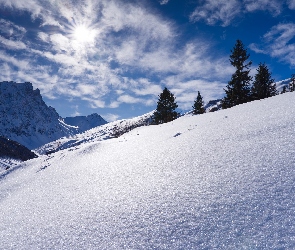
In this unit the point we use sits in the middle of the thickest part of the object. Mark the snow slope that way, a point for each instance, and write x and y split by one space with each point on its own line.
222 180
103 132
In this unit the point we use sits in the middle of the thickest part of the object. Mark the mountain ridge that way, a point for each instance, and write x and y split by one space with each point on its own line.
27 119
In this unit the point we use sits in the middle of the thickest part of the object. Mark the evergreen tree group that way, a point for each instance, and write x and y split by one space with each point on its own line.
166 106
239 89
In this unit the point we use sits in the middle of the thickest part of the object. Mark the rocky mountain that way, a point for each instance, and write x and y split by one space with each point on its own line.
85 122
26 118
12 149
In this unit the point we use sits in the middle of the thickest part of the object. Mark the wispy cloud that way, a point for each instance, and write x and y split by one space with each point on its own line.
215 12
224 12
279 43
10 44
10 30
291 4
162 2
273 6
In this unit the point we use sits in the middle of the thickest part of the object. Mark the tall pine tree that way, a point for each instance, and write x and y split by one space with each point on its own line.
166 106
198 107
238 88
263 85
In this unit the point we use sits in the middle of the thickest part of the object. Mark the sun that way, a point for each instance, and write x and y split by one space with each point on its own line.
83 34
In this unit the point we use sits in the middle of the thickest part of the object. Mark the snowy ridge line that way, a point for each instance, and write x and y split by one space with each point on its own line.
103 132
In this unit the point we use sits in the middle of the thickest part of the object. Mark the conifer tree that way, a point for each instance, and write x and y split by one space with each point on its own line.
198 107
166 106
263 85
238 88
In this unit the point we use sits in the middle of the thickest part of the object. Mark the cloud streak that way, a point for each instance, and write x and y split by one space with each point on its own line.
213 12
225 12
279 43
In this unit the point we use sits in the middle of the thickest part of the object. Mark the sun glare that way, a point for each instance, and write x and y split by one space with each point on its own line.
83 34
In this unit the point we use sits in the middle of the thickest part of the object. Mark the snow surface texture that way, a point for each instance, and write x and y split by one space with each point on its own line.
222 180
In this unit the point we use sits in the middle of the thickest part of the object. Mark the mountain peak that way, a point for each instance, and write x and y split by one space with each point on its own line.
85 122
26 118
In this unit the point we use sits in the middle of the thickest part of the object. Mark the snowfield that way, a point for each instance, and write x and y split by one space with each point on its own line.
223 180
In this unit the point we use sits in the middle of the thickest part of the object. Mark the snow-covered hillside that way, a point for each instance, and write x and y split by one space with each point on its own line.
222 180
103 132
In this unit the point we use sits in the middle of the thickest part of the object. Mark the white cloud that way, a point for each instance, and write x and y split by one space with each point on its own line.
214 12
256 49
11 30
291 4
95 103
111 117
279 43
148 89
21 64
129 99
60 43
273 6
224 12
31 6
162 2
44 37
10 44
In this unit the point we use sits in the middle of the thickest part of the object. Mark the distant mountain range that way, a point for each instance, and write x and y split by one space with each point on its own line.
26 118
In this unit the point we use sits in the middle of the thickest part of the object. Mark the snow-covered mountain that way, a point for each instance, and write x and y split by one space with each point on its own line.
222 180
26 118
85 122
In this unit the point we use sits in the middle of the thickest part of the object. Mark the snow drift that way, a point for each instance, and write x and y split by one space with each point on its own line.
222 180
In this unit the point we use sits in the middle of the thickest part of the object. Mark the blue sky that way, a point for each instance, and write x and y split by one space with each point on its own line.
114 57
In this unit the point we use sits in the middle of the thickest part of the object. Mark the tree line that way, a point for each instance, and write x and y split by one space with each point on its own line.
240 89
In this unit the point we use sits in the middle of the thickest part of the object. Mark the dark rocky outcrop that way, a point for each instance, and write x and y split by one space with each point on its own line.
12 149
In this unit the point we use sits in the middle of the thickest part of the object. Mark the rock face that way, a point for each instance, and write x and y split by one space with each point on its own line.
12 149
25 118
85 122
